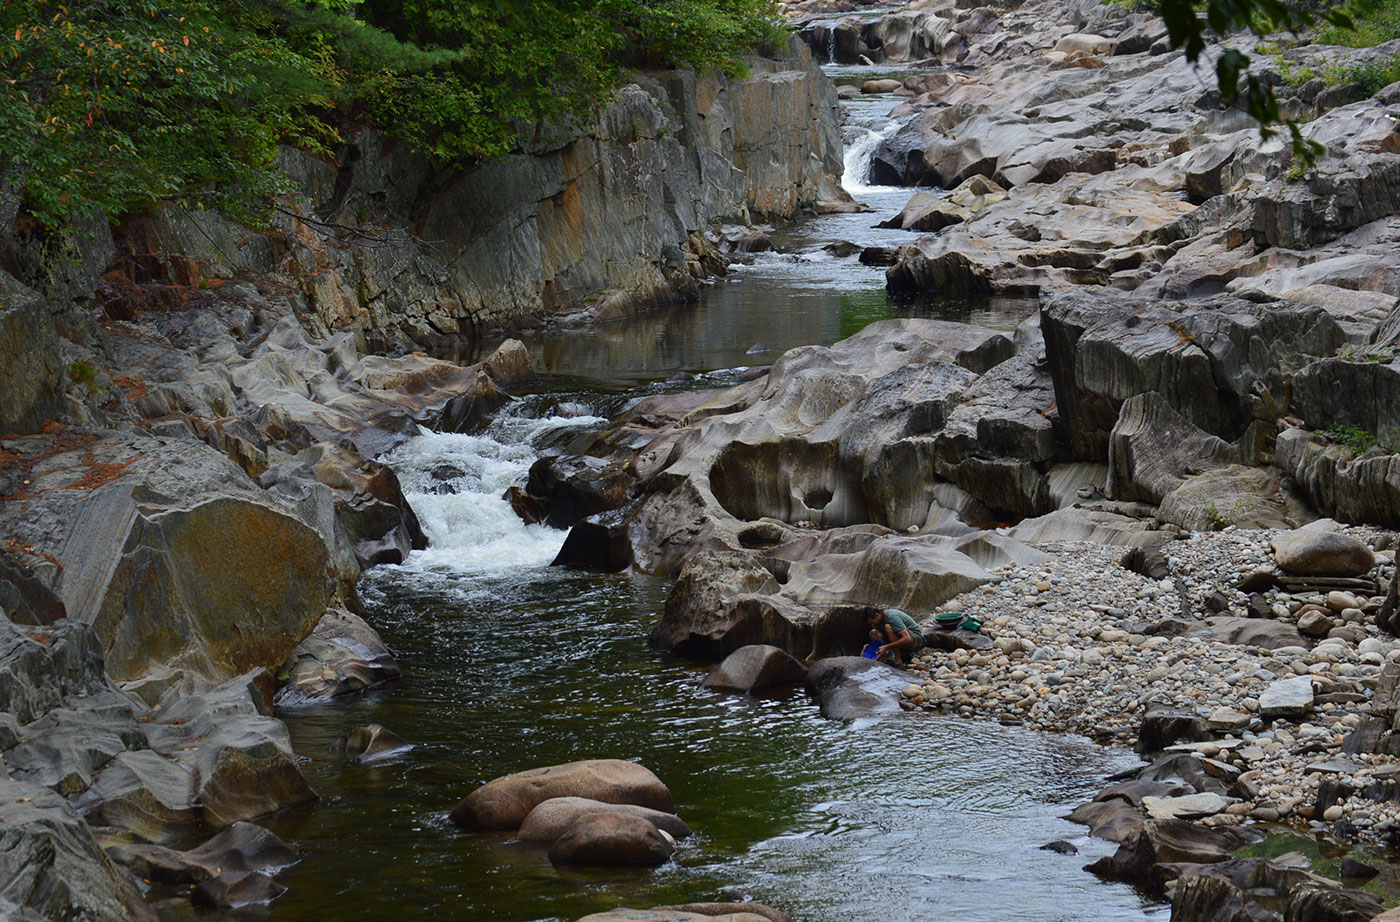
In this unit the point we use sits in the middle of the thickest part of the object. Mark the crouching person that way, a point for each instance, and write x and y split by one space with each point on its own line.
898 634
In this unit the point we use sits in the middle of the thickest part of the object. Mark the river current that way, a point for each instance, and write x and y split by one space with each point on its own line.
509 664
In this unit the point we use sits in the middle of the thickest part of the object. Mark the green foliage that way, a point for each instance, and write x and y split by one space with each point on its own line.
1379 22
122 104
82 371
1359 439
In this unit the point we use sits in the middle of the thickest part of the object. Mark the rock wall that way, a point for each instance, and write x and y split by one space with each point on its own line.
586 225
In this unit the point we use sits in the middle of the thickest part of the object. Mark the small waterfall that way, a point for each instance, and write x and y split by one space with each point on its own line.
860 151
455 485
831 45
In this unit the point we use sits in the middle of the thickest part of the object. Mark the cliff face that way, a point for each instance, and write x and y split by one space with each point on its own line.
587 224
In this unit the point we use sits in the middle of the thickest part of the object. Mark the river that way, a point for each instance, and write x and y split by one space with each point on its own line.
509 665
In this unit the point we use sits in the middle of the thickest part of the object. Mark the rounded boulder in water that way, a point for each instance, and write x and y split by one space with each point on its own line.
755 667
505 802
551 819
611 839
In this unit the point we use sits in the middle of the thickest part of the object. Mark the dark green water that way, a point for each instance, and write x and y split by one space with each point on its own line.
909 819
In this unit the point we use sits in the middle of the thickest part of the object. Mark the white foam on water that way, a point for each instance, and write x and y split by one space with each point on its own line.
474 530
859 153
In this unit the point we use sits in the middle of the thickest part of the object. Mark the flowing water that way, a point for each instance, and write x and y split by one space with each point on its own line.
509 665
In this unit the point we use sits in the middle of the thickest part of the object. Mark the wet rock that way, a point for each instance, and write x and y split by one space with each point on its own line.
608 839
1205 897
1351 869
237 890
852 687
754 668
1313 903
1060 846
1318 551
506 801
371 742
344 655
552 818
600 544
1114 820
1161 841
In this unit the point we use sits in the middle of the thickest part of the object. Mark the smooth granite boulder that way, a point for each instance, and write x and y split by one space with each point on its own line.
1317 550
552 818
505 802
343 655
755 668
610 839
852 687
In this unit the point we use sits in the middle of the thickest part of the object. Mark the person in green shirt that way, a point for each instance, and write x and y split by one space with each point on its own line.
898 634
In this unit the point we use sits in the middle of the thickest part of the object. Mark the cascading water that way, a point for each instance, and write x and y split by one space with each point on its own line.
455 485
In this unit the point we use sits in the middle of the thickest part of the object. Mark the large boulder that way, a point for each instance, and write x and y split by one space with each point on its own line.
853 687
505 802
609 839
754 668
170 552
344 655
553 817
1317 550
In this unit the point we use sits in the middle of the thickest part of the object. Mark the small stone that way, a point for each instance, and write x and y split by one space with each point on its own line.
1333 813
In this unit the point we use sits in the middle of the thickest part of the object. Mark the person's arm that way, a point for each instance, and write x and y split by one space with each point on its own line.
896 639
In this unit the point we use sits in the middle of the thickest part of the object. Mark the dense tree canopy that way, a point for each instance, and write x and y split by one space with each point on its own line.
121 104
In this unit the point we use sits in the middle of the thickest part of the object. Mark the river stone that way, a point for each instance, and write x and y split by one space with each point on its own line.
505 802
553 817
1190 806
1316 551
683 914
1258 632
1227 720
852 687
371 742
599 839
1287 698
1315 624
343 655
754 668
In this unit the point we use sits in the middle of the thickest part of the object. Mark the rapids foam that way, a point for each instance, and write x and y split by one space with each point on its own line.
456 483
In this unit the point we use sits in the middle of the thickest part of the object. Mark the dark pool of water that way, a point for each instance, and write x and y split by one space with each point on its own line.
909 819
